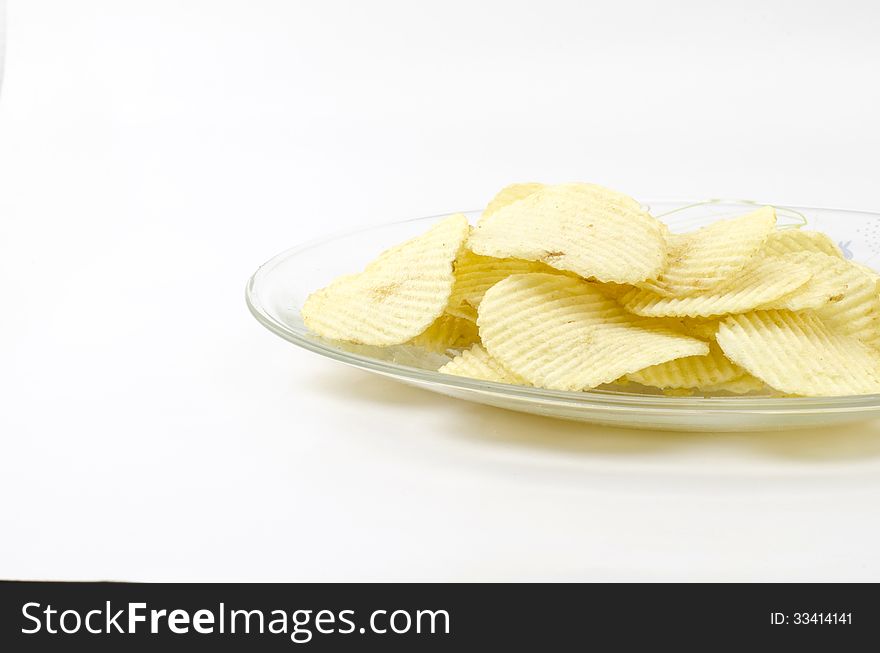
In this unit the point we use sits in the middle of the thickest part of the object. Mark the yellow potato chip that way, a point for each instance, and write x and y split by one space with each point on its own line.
857 311
699 327
689 372
678 392
797 353
463 311
475 274
476 363
742 385
583 228
448 332
703 328
704 259
764 280
613 290
397 296
827 285
509 195
788 241
562 333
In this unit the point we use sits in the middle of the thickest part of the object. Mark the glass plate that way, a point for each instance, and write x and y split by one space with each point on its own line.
280 286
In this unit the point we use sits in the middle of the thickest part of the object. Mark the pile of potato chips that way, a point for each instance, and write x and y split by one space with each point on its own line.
574 286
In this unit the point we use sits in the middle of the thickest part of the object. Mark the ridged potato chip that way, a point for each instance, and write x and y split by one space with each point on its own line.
797 353
475 274
613 290
690 372
509 195
699 327
448 332
764 280
562 333
788 241
741 385
397 296
828 285
857 312
702 260
703 328
476 363
583 228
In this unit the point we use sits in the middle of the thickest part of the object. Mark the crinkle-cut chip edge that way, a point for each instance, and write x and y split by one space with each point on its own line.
477 363
700 261
745 293
690 371
789 241
508 195
742 385
447 332
475 273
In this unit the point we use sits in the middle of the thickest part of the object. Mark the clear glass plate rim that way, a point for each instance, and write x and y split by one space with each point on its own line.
586 399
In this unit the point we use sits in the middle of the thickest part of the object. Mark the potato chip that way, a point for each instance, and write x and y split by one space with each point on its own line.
476 363
562 333
689 372
678 392
509 195
397 296
463 311
703 328
857 311
613 290
742 385
797 353
764 280
704 259
448 332
583 228
828 284
699 327
475 274
789 241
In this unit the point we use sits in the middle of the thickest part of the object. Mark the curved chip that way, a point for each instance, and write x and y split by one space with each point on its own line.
742 385
764 280
563 333
613 290
475 274
476 363
857 311
829 283
702 260
796 353
397 296
448 332
582 228
789 241
690 372
509 195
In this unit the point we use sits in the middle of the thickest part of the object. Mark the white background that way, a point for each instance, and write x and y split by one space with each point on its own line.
153 153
